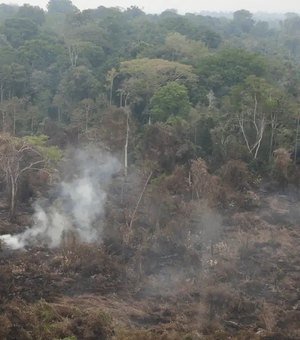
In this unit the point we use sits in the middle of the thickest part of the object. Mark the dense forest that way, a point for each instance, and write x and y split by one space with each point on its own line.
149 174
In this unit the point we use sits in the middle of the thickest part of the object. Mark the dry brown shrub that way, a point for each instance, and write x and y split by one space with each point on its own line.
236 174
282 161
268 316
86 259
161 144
225 271
288 323
22 319
53 321
177 182
201 177
219 300
5 326
246 221
6 281
246 335
294 174
62 330
134 334
93 325
113 128
205 185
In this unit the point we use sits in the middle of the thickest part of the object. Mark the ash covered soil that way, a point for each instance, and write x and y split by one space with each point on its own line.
246 285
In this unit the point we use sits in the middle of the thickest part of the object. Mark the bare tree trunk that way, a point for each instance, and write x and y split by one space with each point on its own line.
273 127
87 110
14 120
296 139
126 145
73 55
1 92
13 197
127 138
121 99
111 90
86 121
3 120
111 77
32 122
59 114
255 147
241 124
139 200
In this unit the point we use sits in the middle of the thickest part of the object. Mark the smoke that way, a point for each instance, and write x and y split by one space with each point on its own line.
79 206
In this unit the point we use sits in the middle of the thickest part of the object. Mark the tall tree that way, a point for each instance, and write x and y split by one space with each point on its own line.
256 109
61 7
243 20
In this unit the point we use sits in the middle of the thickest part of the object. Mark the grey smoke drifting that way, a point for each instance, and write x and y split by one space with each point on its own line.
80 204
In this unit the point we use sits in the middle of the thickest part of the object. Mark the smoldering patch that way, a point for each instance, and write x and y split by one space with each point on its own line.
80 204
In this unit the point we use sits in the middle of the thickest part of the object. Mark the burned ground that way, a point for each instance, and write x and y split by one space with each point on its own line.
247 287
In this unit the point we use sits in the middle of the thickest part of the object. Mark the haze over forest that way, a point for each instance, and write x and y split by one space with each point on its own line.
183 7
149 172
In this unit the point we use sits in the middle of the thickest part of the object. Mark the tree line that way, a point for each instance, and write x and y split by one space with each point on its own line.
167 89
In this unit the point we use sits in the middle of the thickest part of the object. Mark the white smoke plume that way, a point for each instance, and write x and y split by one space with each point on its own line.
80 204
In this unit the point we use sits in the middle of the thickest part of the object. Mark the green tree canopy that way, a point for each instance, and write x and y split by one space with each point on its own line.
170 100
61 7
229 67
19 30
33 13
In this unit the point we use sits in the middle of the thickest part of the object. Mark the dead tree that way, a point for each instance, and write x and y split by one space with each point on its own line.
17 158
252 118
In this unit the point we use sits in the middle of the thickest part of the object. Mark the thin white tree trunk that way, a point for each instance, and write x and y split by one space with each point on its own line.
296 139
126 145
13 197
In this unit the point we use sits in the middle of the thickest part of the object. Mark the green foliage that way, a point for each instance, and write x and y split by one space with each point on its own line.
40 53
61 6
197 73
185 50
33 13
79 83
151 68
51 153
19 30
199 103
170 100
37 140
229 67
211 38
243 21
7 11
140 78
